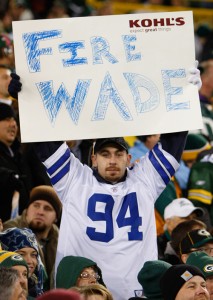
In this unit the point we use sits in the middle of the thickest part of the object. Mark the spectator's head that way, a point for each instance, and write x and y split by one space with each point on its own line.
23 242
196 240
94 291
195 144
77 271
6 51
10 285
207 77
8 125
4 83
183 282
180 210
181 230
17 262
110 157
44 209
203 262
149 277
61 294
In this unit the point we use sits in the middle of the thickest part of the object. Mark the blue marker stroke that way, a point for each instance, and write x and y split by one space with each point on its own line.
108 92
100 48
52 103
31 44
127 39
72 47
173 91
136 81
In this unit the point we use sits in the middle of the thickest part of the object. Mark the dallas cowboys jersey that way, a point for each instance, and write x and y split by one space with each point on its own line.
112 224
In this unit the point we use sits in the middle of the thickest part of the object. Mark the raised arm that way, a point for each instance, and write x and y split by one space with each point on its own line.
174 143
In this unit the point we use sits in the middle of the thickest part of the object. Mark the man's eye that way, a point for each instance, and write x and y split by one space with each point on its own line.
190 286
105 154
48 208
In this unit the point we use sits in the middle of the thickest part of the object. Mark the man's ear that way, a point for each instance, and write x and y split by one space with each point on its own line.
94 160
184 258
129 159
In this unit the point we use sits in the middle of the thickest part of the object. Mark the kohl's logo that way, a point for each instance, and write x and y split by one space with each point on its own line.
157 22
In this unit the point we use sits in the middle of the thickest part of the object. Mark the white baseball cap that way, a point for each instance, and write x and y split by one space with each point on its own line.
181 207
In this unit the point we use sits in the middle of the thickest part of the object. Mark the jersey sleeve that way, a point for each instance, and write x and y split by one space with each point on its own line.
164 163
64 169
155 170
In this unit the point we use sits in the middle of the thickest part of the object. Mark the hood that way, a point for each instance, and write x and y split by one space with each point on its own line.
69 269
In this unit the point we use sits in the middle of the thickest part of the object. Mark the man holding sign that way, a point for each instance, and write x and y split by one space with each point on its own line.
108 211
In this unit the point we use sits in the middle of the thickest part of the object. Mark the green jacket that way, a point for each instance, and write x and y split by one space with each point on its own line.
200 184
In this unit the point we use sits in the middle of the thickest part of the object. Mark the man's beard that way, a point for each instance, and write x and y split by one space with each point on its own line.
37 226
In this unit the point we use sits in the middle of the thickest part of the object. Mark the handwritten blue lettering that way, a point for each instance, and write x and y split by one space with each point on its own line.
72 47
100 48
52 103
127 39
31 43
137 81
109 92
173 91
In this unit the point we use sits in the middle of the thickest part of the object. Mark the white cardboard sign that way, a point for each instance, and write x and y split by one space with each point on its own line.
93 77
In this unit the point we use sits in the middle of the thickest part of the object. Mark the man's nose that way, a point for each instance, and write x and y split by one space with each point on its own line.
112 159
22 280
201 290
40 211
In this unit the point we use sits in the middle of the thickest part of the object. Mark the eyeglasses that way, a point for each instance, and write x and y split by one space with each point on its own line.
86 275
208 251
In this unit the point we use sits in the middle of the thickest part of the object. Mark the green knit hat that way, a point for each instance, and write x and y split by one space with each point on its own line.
149 277
195 143
69 269
202 261
9 259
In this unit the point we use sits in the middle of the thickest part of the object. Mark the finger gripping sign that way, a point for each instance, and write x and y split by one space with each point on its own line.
93 77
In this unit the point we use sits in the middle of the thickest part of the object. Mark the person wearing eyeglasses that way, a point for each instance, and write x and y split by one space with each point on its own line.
196 241
77 271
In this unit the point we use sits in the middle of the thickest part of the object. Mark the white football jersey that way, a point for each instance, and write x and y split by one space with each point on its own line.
114 225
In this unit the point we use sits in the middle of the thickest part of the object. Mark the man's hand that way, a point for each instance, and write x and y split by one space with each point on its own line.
194 77
14 86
